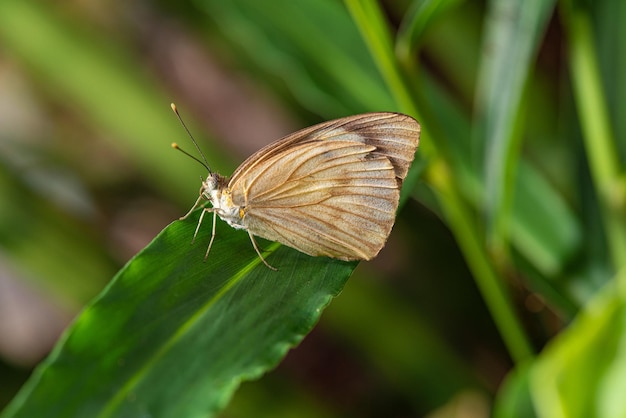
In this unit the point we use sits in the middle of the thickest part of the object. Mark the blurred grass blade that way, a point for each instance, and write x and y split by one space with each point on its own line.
514 29
581 373
311 46
543 227
39 239
611 54
420 15
173 336
369 19
600 142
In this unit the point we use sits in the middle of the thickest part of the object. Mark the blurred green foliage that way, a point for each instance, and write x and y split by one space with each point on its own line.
515 218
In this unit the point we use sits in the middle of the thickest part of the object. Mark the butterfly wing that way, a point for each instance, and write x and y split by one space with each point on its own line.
396 136
331 189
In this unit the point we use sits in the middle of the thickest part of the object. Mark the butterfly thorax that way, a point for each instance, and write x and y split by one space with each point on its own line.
215 189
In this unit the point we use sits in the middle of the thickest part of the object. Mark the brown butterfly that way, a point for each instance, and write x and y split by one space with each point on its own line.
328 190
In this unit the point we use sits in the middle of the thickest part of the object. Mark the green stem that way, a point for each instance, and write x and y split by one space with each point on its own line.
489 283
598 137
374 30
370 21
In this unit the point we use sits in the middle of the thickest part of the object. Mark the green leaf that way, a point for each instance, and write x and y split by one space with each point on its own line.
173 336
514 400
582 372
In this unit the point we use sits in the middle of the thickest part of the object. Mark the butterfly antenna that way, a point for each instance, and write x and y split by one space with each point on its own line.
204 162
176 147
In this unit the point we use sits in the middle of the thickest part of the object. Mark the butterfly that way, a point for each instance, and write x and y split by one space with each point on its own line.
328 190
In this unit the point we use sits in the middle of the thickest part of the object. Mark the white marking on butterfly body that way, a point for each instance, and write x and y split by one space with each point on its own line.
222 202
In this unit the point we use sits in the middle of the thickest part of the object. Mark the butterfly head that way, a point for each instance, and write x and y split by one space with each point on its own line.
212 187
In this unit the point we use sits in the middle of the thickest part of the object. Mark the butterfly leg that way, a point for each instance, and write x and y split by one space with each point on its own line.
195 205
212 230
200 223
204 211
259 252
